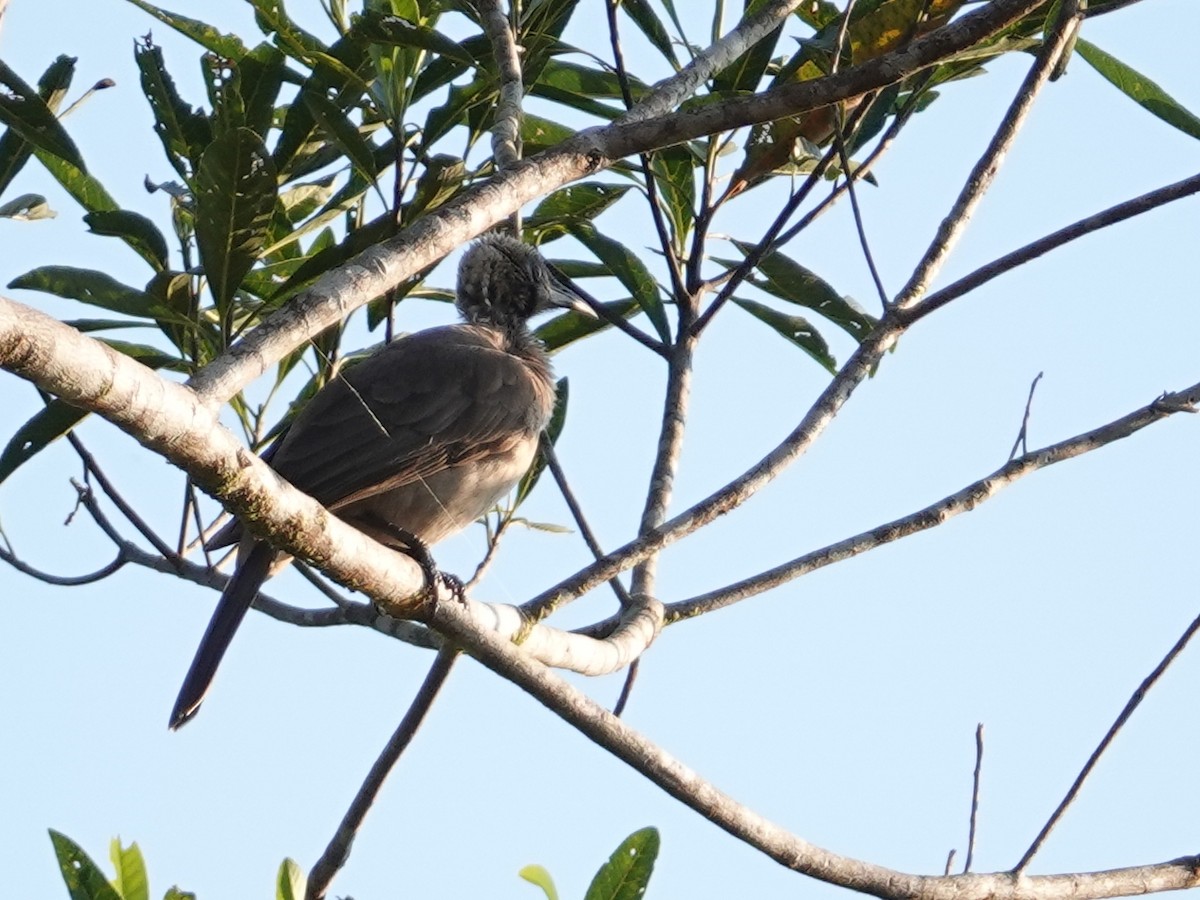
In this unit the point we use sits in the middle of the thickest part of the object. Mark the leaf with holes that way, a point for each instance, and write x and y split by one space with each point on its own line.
627 872
83 878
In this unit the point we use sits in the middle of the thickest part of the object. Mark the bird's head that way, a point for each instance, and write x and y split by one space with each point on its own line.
504 282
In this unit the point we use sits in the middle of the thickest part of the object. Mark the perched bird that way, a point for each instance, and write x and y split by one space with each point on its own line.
417 441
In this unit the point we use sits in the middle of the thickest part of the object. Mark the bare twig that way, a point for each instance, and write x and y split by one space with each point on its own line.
949 861
844 158
985 169
603 312
974 797
1111 216
963 500
7 555
1134 702
338 849
627 688
92 469
1021 443
581 522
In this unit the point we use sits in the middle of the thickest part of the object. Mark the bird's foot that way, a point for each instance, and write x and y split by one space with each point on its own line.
454 585
417 550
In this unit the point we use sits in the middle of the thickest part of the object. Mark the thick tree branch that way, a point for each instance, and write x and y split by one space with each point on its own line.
170 420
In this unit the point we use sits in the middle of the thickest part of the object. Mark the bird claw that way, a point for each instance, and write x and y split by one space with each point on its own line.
433 577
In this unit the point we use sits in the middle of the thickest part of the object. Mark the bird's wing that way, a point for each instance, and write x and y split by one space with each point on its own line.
436 398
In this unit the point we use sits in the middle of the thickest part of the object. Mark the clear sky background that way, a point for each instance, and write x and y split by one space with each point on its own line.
842 706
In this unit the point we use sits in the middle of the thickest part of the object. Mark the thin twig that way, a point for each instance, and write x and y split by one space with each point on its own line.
627 688
844 158
1111 216
92 467
8 556
949 861
338 849
974 797
882 146
964 500
983 174
1134 702
581 522
1021 443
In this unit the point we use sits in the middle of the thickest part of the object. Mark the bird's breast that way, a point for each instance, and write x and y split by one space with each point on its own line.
441 504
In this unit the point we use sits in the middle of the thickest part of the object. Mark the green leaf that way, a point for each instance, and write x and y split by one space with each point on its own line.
83 188
651 26
45 427
135 230
558 418
674 171
627 872
235 191
1140 89
83 877
87 286
52 87
174 893
261 76
629 270
131 882
184 131
795 329
27 208
342 131
299 123
290 883
535 874
455 110
24 111
397 32
570 327
790 281
229 46
442 179
584 200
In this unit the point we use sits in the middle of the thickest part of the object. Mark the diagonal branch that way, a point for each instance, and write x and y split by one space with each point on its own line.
964 500
687 786
985 169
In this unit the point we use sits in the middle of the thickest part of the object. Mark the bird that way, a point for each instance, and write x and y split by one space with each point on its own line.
418 440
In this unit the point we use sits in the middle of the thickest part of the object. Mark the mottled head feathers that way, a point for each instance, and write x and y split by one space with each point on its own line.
503 282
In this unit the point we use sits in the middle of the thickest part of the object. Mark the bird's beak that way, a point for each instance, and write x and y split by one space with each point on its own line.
563 296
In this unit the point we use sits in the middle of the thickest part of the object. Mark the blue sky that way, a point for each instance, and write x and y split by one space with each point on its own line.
842 706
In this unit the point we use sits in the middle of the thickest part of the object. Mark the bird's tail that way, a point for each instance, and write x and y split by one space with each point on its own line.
231 609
